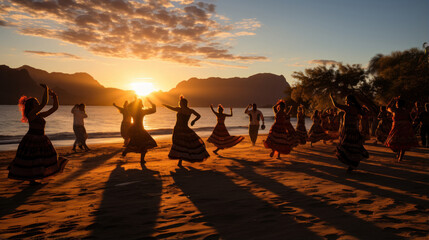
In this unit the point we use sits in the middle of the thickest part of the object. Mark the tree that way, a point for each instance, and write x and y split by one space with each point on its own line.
404 74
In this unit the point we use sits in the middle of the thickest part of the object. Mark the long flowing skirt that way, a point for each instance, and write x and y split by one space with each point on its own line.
125 126
36 158
140 140
187 146
317 133
383 129
301 133
350 149
401 136
278 139
221 138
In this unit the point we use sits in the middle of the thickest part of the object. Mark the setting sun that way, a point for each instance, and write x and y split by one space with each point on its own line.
142 88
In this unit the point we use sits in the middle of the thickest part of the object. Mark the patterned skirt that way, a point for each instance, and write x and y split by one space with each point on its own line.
317 133
35 158
382 131
278 139
301 133
187 146
401 137
221 138
350 150
140 140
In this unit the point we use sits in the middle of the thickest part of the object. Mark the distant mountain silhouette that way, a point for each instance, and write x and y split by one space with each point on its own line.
264 89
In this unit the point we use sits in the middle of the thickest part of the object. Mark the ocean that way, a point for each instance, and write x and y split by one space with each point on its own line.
103 124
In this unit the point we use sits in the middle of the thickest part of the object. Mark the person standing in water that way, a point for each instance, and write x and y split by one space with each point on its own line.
254 116
126 121
36 158
350 149
140 140
220 136
79 130
187 145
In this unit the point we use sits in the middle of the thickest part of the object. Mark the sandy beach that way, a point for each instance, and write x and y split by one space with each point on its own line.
240 194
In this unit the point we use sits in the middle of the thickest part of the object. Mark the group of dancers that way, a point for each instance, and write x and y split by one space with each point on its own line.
36 157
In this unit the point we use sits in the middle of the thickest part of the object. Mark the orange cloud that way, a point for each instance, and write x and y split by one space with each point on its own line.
323 62
183 31
56 54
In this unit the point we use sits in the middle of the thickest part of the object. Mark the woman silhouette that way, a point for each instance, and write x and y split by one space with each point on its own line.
350 149
126 121
278 139
220 136
140 140
36 158
316 132
301 130
187 145
401 137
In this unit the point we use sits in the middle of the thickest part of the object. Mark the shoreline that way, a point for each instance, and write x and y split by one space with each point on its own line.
240 194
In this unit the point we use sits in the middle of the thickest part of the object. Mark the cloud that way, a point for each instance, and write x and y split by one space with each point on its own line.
323 62
182 31
55 54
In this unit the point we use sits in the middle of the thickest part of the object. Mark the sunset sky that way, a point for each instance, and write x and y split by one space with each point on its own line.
164 42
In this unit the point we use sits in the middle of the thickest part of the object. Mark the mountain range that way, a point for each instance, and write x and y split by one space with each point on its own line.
263 88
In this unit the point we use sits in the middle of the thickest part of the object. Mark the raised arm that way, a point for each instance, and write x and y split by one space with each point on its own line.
229 115
246 111
54 105
275 108
171 108
119 108
390 107
42 104
152 109
337 105
290 109
197 116
211 107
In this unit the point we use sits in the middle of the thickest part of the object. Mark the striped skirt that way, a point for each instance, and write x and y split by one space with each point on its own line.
140 140
278 139
221 138
301 133
35 158
317 133
187 146
350 150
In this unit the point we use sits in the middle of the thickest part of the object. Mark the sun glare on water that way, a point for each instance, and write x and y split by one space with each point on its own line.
142 88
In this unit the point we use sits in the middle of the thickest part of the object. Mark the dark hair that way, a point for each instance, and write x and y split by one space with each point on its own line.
182 101
220 107
353 101
25 106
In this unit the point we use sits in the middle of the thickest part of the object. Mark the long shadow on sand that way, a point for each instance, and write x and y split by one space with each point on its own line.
377 177
8 205
334 216
233 211
130 205
88 165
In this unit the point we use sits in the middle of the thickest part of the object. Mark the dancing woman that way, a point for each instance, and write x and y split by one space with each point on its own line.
401 137
220 136
384 125
79 130
301 130
140 140
36 158
187 145
277 139
126 121
316 132
350 149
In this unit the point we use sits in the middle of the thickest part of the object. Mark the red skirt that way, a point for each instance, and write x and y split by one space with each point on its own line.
35 158
221 138
401 137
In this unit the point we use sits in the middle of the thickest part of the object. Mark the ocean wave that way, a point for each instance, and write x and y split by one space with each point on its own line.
14 139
